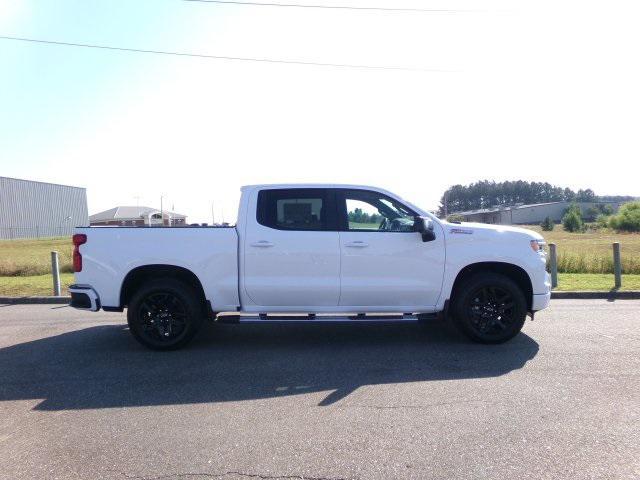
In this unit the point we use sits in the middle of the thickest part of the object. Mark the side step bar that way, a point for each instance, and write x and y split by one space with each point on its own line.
321 318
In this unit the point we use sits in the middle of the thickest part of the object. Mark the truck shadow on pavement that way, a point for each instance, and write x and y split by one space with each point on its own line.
103 367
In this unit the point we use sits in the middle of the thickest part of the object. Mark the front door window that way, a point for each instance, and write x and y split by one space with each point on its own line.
367 211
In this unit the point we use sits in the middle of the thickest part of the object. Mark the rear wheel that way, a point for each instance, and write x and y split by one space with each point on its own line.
165 314
489 308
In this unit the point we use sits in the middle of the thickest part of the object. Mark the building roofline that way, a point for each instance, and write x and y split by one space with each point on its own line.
46 183
116 211
503 208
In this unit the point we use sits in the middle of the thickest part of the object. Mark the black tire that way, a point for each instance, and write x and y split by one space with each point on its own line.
489 308
165 314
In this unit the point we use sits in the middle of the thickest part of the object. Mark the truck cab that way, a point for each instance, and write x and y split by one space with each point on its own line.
336 249
317 251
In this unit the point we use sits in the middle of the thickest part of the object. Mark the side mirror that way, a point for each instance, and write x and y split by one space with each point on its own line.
424 226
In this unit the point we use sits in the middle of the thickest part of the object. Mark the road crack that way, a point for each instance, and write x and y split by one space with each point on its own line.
419 407
226 474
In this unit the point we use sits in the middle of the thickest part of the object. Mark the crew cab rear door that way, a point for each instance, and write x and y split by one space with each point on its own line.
385 263
291 250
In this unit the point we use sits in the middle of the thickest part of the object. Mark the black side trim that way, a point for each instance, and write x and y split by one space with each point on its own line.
445 311
212 315
80 300
113 309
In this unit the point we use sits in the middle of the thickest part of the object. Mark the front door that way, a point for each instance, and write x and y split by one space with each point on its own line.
291 250
384 262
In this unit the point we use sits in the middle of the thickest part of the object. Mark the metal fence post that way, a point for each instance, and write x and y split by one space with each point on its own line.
617 264
55 271
553 265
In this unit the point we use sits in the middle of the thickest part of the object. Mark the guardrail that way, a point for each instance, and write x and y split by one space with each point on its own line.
617 265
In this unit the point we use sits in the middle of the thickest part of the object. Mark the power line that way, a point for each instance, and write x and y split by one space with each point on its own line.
223 57
333 7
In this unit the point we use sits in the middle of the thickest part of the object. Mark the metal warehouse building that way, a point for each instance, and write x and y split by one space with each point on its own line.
528 214
36 209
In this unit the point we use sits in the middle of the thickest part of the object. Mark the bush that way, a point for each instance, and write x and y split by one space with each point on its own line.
606 210
627 219
547 225
572 220
592 213
602 221
598 209
455 218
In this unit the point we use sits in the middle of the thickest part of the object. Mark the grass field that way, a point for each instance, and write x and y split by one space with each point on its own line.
592 252
25 265
568 282
364 226
36 285
33 257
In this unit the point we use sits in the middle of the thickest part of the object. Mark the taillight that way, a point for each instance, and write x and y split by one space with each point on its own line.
78 239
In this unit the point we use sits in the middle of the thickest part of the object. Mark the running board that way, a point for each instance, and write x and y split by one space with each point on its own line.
320 318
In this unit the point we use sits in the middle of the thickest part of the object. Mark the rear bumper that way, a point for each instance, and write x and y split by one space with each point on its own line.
83 297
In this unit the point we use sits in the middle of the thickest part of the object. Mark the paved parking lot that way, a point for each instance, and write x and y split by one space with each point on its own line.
80 399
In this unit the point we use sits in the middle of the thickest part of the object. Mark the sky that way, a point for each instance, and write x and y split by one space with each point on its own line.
498 90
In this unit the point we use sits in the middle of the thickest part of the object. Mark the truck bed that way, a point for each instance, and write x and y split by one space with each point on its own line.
209 252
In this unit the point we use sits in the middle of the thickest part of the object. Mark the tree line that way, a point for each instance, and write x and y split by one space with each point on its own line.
359 216
486 194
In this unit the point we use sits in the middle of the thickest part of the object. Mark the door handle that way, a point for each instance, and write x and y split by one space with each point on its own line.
262 243
356 244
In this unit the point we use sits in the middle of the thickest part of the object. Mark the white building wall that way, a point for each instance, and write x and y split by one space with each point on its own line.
555 211
35 209
536 214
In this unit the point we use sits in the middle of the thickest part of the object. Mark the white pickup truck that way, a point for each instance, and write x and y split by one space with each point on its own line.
313 253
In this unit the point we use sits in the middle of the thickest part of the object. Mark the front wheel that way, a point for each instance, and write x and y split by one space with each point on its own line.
165 314
489 308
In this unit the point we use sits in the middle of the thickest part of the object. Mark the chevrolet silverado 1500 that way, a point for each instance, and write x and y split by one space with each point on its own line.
313 253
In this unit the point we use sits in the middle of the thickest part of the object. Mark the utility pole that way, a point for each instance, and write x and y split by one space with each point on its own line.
213 214
161 212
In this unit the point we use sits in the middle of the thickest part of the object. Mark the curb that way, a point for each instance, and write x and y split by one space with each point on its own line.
32 300
586 295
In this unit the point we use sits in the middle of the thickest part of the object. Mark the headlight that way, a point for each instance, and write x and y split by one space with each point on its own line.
538 245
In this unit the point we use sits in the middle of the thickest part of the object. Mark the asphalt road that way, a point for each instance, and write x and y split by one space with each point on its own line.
80 399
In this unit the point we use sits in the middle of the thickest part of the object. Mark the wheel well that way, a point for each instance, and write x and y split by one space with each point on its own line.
514 272
136 277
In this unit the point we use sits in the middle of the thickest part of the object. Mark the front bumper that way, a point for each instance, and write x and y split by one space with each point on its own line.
83 297
541 301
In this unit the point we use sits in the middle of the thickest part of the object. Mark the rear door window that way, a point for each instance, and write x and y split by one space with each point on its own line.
308 209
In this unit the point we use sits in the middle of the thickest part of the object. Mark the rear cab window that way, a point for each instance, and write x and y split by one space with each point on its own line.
301 209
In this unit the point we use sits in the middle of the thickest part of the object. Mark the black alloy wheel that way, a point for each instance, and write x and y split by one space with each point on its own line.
165 314
489 308
162 317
